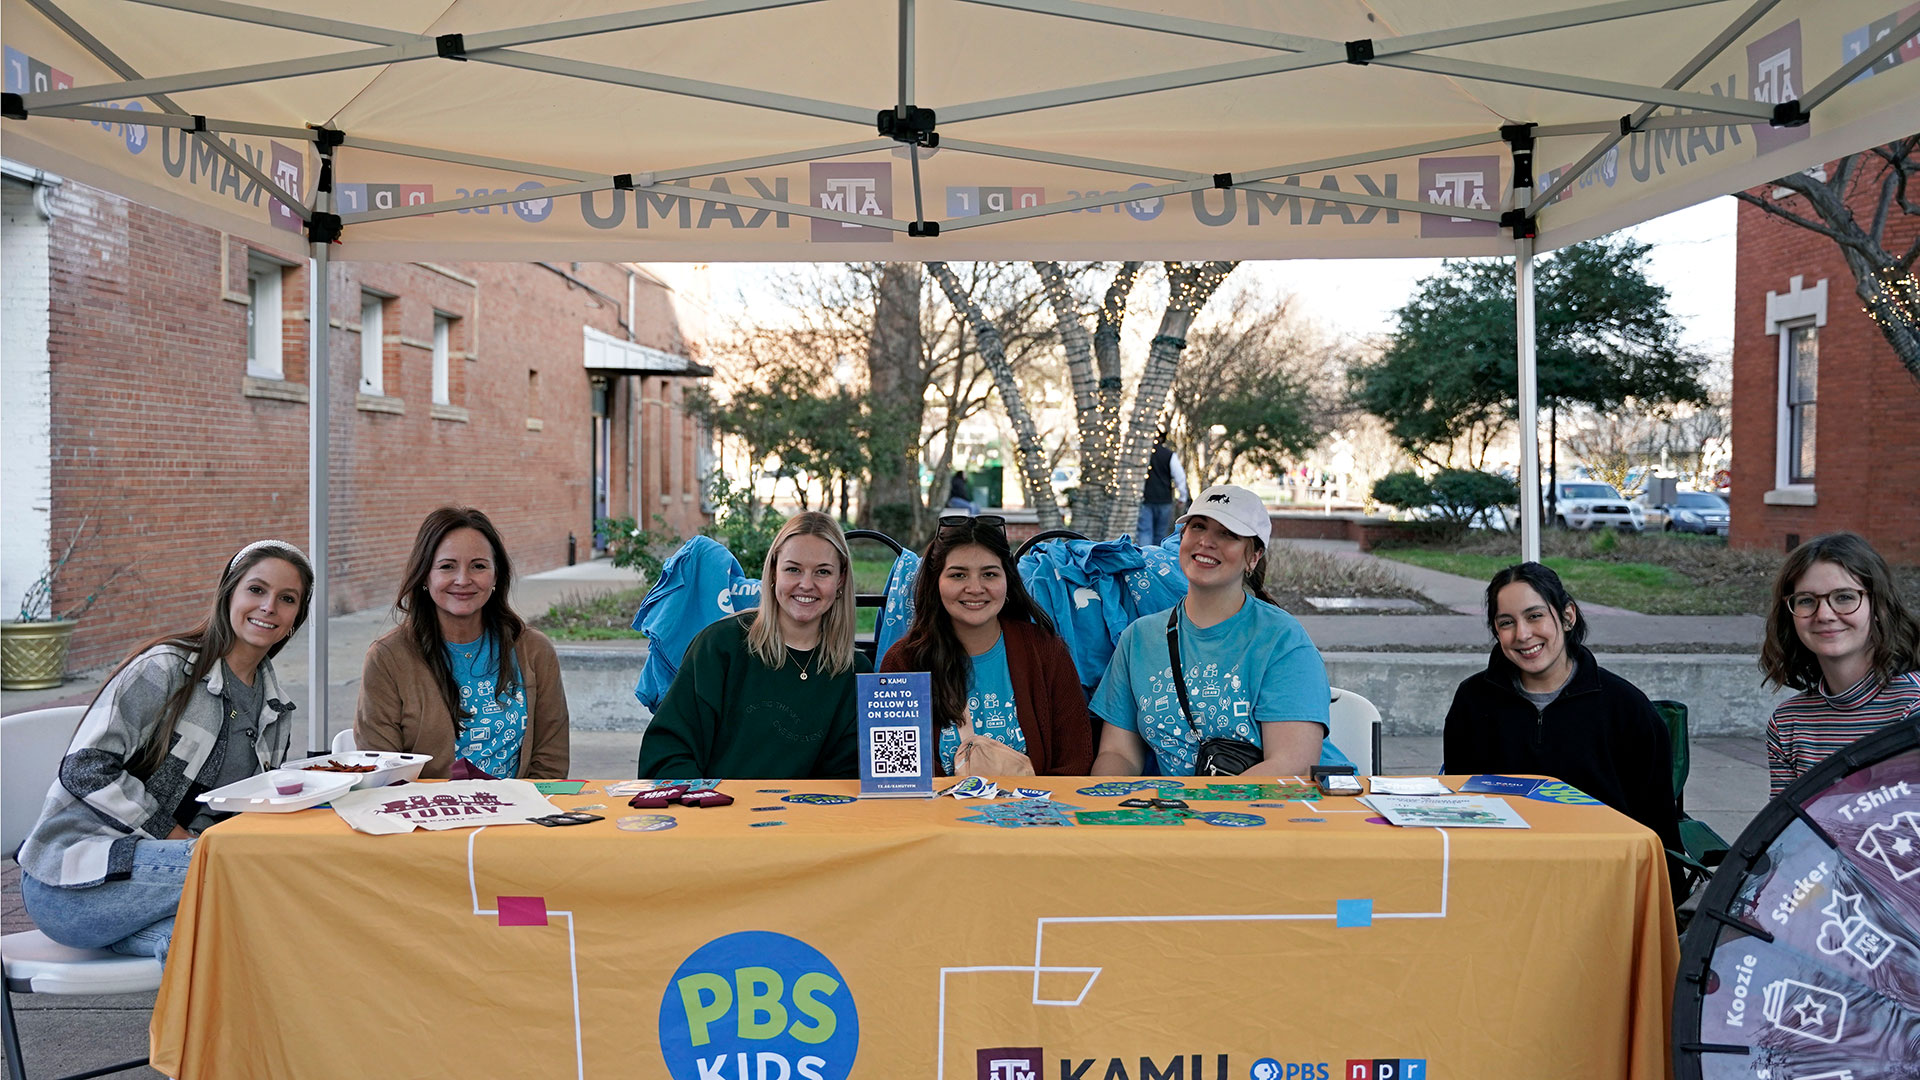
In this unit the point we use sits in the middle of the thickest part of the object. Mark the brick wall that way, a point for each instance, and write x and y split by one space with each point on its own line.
1866 451
177 458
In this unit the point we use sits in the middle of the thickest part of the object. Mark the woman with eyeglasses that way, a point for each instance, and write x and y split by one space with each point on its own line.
1837 632
769 694
1544 705
1225 683
1006 700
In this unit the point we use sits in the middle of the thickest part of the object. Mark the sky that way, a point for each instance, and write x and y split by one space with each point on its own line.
1693 253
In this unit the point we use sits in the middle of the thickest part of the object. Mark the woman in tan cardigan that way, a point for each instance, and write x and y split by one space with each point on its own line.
462 676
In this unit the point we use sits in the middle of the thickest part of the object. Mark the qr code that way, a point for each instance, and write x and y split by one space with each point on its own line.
896 751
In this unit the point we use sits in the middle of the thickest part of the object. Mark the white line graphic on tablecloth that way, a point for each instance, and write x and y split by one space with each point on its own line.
573 956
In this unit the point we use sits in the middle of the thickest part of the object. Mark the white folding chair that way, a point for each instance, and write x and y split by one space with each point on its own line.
343 742
31 746
1354 726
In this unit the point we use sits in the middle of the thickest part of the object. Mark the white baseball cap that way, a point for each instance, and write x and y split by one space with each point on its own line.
1235 507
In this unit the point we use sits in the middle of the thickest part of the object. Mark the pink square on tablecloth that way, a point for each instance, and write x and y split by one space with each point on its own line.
522 910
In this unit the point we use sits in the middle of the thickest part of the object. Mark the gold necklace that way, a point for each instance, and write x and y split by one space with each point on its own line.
811 657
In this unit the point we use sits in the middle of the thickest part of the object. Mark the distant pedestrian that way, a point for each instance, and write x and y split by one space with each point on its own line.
1837 632
1166 480
960 494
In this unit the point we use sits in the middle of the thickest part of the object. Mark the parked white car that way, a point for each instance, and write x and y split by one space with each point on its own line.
1589 504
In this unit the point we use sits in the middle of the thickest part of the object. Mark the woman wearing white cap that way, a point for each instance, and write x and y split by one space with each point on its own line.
1247 693
186 713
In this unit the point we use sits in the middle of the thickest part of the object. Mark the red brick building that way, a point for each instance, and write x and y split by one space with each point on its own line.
158 385
1826 421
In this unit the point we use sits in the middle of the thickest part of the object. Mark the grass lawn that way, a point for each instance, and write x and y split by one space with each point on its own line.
1636 586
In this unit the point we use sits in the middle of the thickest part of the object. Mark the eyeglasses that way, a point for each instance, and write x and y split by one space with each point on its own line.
1804 605
955 522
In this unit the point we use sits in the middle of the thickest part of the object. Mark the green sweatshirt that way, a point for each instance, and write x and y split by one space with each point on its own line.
729 715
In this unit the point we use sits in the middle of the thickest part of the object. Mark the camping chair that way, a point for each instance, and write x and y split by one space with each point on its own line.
34 742
866 642
1704 849
1353 725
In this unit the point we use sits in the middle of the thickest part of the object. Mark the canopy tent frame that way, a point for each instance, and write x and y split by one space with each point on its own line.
906 127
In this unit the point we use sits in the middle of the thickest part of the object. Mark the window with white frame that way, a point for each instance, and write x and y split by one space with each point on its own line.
1800 377
442 343
372 361
264 319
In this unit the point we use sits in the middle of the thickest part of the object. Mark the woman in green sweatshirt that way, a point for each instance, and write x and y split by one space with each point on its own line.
769 694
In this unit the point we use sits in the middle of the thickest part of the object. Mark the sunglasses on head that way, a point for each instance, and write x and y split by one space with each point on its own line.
955 522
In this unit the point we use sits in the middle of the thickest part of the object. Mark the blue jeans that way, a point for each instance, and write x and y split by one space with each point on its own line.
132 916
1156 523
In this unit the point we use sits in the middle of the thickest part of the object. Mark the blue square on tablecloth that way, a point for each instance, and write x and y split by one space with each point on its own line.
1353 913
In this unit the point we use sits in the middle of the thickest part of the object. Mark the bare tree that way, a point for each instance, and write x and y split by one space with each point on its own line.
898 376
1254 387
1035 474
1879 252
1616 445
1189 286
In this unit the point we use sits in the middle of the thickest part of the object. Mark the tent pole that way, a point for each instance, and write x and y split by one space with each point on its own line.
1529 402
319 380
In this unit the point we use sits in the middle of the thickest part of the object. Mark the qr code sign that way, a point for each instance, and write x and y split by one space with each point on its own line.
896 751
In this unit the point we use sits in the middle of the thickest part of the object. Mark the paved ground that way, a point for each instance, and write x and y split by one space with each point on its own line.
1728 784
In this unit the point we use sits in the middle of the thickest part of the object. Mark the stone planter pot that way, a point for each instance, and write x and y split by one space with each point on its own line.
33 655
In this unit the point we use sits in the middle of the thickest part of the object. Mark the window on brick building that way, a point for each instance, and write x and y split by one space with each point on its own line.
372 345
1800 376
442 352
264 315
534 423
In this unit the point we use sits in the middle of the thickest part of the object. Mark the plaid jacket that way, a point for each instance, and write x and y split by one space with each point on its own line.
96 811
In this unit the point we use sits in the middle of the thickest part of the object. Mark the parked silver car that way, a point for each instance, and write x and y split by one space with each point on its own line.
1589 504
1692 512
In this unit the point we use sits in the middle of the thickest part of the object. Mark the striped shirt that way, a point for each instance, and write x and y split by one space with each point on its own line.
1808 727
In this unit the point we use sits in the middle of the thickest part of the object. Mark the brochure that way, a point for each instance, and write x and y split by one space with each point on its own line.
1495 784
896 735
1447 811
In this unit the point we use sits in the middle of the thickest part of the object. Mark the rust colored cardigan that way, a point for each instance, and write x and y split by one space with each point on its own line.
1046 695
401 707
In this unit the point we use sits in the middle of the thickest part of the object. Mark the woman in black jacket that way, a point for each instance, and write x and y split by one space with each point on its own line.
1544 706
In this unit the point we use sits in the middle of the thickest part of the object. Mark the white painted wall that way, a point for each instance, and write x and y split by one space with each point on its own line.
26 479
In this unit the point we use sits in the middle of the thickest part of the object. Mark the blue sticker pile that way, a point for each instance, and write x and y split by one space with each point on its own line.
1023 814
1230 820
1116 789
1553 791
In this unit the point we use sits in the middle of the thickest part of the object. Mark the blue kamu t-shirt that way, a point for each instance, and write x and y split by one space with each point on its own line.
989 703
491 738
1257 667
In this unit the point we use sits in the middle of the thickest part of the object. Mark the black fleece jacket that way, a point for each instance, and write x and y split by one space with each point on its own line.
1601 735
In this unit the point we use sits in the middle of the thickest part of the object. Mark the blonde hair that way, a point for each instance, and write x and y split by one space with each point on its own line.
836 626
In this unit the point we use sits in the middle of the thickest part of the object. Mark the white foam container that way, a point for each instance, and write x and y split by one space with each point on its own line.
255 794
389 767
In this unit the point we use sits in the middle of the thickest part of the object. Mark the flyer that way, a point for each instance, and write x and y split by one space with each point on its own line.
1447 811
896 735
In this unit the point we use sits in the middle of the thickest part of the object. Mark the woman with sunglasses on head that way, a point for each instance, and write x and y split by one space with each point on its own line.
463 677
1838 632
185 714
1006 700
1225 683
1544 706
769 694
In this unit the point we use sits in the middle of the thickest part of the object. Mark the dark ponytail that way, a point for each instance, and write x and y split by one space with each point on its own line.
1255 579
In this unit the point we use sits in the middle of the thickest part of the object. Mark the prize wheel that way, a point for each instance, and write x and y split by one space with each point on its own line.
1803 962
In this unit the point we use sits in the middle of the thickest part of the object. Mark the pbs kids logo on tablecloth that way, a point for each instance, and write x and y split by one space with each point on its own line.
757 1005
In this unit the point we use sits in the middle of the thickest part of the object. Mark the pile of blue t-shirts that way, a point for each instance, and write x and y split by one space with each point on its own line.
1094 590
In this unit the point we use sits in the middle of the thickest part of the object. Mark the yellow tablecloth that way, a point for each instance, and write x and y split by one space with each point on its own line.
886 938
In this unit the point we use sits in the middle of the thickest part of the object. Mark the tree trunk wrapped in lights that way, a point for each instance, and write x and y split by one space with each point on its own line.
1189 286
1093 362
1035 479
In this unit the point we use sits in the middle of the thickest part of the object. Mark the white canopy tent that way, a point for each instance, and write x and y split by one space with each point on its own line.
942 129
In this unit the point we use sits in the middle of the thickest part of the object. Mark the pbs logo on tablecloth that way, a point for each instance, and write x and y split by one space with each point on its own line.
757 1005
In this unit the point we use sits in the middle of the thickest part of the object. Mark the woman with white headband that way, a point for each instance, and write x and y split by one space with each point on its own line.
186 713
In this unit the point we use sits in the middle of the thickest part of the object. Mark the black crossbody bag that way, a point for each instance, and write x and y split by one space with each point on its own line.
1217 756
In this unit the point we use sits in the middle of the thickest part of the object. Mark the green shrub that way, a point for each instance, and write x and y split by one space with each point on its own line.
1405 490
1463 494
740 523
628 545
